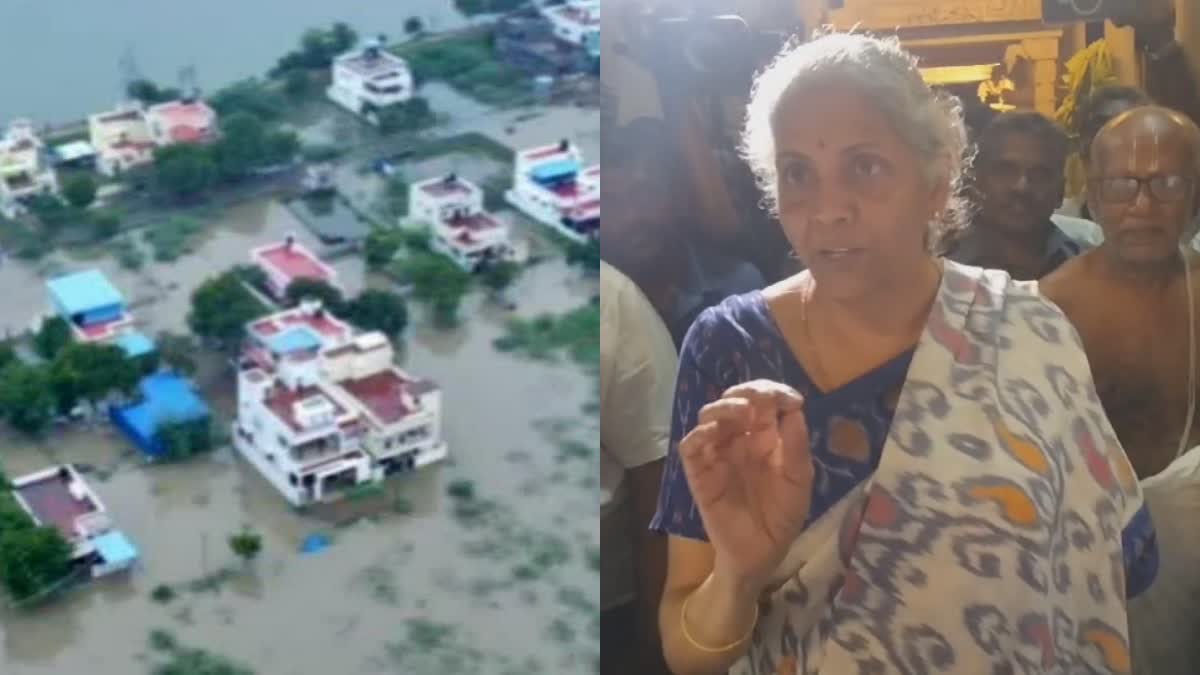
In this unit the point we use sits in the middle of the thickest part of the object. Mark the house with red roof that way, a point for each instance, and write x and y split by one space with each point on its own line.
551 185
322 410
188 120
289 260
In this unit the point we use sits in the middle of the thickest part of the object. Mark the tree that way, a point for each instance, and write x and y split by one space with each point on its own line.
221 308
586 255
342 38
413 25
8 355
241 146
499 275
411 115
50 210
316 289
54 334
99 370
149 93
250 96
297 83
381 247
395 195
176 352
280 147
185 170
183 439
438 282
79 190
106 223
246 544
378 310
26 398
33 559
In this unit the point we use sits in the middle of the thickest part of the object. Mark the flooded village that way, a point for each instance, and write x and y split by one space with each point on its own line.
416 569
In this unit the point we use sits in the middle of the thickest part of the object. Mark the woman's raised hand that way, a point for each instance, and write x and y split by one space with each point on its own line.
749 468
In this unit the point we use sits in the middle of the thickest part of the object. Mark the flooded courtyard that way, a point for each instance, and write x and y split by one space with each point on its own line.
415 588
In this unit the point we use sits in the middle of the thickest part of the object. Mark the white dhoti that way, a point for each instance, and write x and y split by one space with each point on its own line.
1164 621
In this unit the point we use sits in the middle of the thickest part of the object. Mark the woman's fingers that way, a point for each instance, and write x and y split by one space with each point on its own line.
766 393
735 412
793 458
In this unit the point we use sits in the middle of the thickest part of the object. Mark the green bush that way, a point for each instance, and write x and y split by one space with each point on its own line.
172 238
461 489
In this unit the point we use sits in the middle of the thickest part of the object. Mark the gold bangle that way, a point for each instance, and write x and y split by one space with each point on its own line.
714 650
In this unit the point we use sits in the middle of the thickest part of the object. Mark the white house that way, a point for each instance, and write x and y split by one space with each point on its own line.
550 186
369 78
460 227
121 138
321 410
576 22
188 120
24 167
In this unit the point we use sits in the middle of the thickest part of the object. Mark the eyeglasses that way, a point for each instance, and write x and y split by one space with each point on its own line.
1125 189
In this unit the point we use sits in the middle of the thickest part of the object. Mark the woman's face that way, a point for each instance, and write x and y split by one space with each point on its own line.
853 200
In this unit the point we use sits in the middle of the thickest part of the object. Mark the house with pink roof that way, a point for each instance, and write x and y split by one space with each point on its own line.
289 260
188 120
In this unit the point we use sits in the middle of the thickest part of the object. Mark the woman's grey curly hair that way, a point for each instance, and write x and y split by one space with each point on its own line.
880 69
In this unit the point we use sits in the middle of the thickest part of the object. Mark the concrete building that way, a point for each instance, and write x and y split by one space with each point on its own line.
289 260
121 139
188 120
321 410
461 229
59 497
25 169
551 186
368 79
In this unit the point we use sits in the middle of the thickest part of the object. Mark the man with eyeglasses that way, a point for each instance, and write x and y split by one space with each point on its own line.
1017 183
1130 298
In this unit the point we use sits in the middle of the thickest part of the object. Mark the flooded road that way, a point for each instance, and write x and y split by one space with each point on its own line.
414 593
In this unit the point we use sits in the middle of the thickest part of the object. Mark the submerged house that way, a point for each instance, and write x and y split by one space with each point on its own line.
25 168
460 227
59 497
368 79
164 399
321 410
94 308
287 261
551 185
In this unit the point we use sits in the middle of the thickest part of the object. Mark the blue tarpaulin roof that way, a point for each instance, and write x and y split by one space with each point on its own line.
115 548
559 168
294 340
166 397
135 344
314 543
83 292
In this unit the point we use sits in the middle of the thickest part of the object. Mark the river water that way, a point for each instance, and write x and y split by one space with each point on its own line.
509 423
61 59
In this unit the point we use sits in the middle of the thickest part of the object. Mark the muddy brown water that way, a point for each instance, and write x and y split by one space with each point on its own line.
350 608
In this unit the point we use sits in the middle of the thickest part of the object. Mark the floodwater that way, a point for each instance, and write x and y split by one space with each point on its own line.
62 59
345 610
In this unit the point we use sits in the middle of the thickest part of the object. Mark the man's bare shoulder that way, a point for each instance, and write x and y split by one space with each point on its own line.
1072 283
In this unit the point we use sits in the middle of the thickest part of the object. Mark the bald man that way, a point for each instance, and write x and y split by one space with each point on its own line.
1128 298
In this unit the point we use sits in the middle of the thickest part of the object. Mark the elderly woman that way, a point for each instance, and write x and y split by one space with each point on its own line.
889 462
